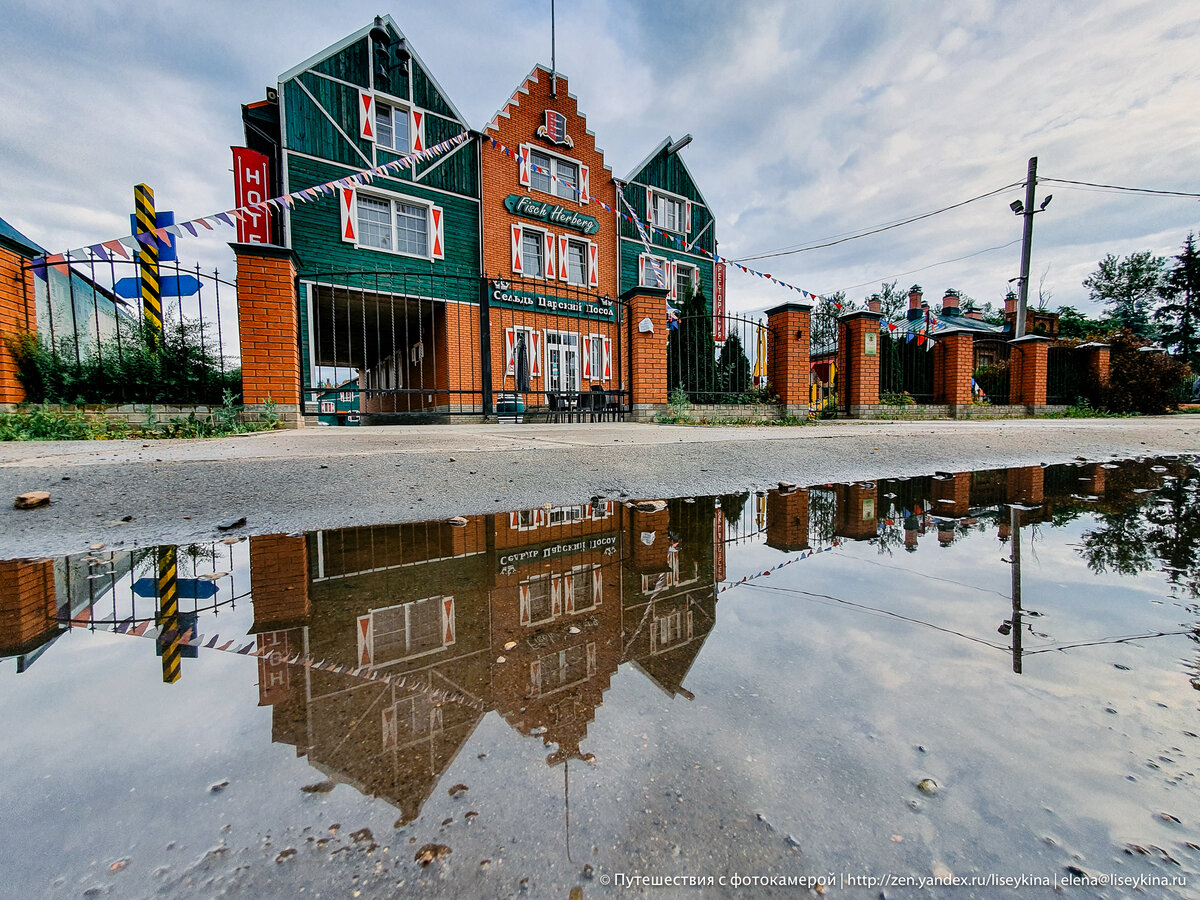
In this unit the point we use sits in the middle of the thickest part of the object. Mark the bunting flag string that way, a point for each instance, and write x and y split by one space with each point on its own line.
123 245
807 554
186 638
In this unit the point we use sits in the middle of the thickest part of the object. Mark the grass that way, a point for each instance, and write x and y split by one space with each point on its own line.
47 423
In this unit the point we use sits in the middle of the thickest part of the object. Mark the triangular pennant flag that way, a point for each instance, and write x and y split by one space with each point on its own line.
204 222
190 227
224 217
117 247
146 238
99 250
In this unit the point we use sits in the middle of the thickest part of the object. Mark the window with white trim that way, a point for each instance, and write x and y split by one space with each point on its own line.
577 261
386 224
649 277
533 261
685 276
554 175
391 127
407 629
541 599
668 212
596 351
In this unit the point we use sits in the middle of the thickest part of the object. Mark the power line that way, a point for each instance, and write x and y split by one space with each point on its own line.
852 236
923 268
1118 187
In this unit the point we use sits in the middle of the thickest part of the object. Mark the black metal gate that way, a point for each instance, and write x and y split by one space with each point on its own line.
382 346
905 370
1065 380
718 361
991 370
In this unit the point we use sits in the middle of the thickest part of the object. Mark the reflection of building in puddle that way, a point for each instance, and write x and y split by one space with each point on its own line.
529 614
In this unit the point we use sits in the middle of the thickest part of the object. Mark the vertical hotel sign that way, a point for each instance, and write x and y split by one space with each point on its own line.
251 177
719 302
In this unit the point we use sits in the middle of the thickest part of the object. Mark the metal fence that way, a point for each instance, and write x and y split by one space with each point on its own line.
991 370
1066 382
393 345
93 343
905 368
730 366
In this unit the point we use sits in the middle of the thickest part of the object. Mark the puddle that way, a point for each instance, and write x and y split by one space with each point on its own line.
828 682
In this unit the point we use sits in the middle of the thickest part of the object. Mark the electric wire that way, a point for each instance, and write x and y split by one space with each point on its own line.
1121 188
923 268
853 236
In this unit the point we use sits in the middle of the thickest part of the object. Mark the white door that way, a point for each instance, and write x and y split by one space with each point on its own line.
562 360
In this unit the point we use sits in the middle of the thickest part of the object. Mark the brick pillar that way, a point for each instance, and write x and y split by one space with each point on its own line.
788 336
952 496
279 581
1027 374
18 315
1095 367
650 557
463 380
787 520
648 353
858 371
269 326
27 605
1026 485
953 362
857 514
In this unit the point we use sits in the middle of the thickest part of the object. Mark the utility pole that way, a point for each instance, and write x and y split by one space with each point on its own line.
1026 247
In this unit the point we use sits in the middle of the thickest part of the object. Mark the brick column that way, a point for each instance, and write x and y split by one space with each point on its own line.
953 361
18 315
279 581
858 373
647 353
857 511
788 336
1095 367
269 326
952 496
787 520
1027 374
1026 485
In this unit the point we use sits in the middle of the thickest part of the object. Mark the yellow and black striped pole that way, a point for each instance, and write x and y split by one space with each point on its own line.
168 615
143 208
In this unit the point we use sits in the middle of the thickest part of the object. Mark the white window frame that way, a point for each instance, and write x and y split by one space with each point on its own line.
546 274
392 199
583 245
408 607
396 107
693 278
654 195
555 159
666 263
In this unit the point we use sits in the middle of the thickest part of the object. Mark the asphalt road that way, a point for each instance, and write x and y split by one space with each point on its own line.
181 490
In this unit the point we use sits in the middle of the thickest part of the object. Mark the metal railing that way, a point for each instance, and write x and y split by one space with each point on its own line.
731 370
991 369
905 370
1066 382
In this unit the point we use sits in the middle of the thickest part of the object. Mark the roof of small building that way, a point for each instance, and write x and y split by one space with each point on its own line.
10 235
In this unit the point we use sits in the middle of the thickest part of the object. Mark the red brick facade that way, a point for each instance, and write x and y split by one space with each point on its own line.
17 315
858 373
268 322
788 356
27 604
279 580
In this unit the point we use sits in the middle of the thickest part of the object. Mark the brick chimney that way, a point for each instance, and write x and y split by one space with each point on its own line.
1010 304
950 302
914 302
974 313
874 304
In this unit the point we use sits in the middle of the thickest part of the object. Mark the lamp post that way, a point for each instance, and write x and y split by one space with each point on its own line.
1026 210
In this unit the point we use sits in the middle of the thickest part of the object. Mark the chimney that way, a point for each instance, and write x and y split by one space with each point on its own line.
1010 304
950 302
914 302
974 313
874 304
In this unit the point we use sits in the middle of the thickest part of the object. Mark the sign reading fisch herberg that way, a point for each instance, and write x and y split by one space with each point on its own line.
551 213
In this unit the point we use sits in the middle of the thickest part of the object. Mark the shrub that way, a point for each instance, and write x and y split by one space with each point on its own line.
1140 381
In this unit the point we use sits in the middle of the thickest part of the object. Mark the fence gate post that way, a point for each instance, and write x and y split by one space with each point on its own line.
1027 382
954 359
858 362
788 334
269 330
18 313
647 352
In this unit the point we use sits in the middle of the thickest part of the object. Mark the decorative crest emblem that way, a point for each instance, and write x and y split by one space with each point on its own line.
554 129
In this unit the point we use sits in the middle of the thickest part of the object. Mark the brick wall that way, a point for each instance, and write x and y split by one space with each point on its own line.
27 604
1096 362
788 356
953 361
952 496
648 354
857 511
1027 377
858 373
17 314
279 580
268 323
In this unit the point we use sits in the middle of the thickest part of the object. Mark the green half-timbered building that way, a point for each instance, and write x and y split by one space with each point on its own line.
384 265
662 192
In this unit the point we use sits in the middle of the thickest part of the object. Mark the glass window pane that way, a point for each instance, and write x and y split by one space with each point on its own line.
576 262
374 223
411 229
400 130
539 171
531 253
383 125
568 180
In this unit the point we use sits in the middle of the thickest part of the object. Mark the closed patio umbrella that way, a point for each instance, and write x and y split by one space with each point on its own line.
522 365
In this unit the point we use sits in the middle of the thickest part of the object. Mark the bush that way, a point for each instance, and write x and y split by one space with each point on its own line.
1140 381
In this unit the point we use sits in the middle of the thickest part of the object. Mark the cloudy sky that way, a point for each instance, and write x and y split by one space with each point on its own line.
811 120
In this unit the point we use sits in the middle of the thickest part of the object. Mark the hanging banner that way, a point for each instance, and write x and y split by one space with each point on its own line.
251 186
719 302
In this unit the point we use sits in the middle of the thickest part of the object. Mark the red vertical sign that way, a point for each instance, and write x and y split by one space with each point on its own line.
251 184
719 302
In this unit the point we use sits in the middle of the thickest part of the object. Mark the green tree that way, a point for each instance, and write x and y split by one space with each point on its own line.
1074 324
823 323
1129 288
891 301
733 366
1179 317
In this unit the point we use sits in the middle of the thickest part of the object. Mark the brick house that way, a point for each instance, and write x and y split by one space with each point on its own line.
549 251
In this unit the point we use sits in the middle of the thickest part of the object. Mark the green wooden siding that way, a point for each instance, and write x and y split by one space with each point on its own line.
316 230
425 95
632 249
350 64
669 173
310 131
